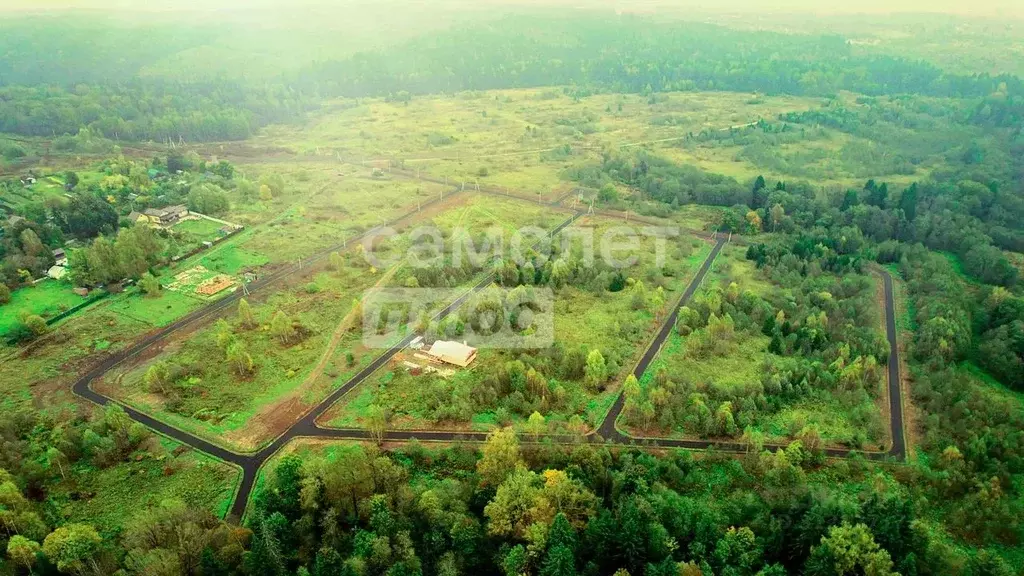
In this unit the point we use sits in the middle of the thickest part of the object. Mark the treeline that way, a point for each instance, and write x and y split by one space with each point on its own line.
143 110
588 510
951 212
61 74
85 49
625 54
636 54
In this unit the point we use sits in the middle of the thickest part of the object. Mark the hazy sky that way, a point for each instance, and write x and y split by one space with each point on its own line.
973 7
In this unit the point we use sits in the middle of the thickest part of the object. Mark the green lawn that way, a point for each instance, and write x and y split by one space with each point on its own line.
47 299
232 260
157 311
201 229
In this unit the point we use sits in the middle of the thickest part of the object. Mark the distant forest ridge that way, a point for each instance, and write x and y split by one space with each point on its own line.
58 83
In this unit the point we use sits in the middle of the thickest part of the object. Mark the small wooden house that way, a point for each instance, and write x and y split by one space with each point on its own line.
452 353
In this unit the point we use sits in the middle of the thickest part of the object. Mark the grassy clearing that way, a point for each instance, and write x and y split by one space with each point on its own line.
997 389
47 299
724 373
199 227
43 370
523 139
345 207
827 416
190 234
232 260
511 121
44 188
109 498
157 311
732 265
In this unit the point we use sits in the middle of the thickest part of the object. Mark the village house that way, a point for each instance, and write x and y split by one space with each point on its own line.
135 217
60 257
166 216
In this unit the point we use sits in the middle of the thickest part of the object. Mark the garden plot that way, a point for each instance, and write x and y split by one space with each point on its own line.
200 281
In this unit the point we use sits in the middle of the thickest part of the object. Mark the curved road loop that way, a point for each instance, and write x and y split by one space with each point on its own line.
307 426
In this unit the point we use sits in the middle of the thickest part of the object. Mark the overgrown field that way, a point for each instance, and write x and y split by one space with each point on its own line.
752 358
604 313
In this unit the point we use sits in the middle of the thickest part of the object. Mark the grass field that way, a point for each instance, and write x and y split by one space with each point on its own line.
158 311
47 299
200 228
232 260
43 371
525 139
735 369
110 498
191 233
729 374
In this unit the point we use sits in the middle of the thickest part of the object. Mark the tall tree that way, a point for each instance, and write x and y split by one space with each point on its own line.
245 315
281 327
74 548
500 456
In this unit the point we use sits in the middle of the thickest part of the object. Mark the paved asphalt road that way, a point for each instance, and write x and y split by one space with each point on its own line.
307 427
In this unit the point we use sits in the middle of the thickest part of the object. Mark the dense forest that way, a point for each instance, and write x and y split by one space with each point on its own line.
636 54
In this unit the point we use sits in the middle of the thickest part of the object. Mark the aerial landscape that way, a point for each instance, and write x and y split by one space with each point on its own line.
511 288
